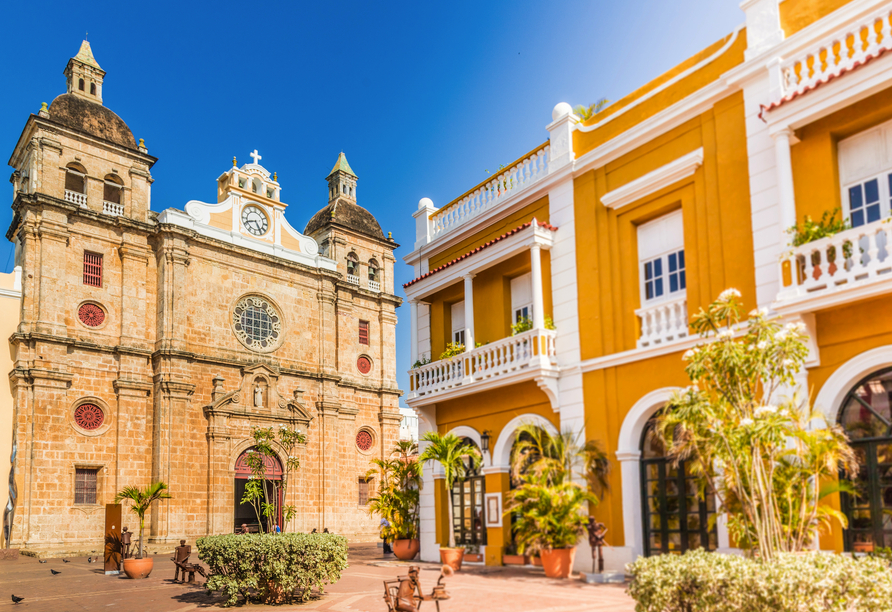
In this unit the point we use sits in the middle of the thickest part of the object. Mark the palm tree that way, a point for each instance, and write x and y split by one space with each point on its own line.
554 459
397 499
141 500
450 451
587 112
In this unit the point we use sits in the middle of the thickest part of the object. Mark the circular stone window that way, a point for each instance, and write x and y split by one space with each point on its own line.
89 417
364 440
91 314
364 364
257 324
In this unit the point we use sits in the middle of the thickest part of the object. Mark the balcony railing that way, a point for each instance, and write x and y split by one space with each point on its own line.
491 361
374 285
663 322
76 198
844 260
846 49
110 208
489 194
353 279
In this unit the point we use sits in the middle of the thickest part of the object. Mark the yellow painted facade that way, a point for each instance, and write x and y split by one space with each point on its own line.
10 307
707 139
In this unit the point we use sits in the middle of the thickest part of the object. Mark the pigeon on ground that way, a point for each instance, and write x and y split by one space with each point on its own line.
65 561
89 559
54 572
16 600
41 560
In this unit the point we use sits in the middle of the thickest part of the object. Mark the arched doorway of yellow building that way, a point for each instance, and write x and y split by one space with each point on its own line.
468 497
866 416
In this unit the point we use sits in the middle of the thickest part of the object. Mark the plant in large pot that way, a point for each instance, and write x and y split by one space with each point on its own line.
397 498
558 476
140 502
457 457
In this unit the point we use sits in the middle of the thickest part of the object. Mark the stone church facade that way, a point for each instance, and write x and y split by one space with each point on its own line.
150 344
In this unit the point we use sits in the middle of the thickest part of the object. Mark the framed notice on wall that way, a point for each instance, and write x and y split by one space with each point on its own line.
493 509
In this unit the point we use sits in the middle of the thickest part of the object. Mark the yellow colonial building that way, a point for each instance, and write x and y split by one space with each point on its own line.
608 238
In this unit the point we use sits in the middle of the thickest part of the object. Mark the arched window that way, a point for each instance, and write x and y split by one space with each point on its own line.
93 88
866 415
675 518
255 185
467 506
373 270
112 189
353 265
75 178
80 84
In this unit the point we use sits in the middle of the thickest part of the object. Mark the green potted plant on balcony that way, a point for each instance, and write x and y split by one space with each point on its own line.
140 502
397 497
450 451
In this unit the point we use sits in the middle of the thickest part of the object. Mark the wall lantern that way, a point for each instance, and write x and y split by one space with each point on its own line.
484 440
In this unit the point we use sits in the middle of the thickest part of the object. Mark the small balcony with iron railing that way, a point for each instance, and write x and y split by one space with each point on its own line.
853 264
525 356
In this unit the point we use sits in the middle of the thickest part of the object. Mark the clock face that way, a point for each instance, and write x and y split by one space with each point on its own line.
254 220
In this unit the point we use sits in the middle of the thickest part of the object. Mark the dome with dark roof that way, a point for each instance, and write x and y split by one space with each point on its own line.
347 214
94 119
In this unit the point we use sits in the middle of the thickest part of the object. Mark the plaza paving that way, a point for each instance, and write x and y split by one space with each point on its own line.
83 586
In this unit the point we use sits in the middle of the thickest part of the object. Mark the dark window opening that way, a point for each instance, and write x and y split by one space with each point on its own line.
112 193
93 88
80 84
365 491
85 485
74 181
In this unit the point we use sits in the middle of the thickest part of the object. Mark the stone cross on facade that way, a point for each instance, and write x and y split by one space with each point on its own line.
256 156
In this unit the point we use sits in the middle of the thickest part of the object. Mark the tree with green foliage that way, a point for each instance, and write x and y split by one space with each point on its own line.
769 460
399 482
261 491
457 457
140 502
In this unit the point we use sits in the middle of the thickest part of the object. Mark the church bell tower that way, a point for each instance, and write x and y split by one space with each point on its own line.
84 75
341 181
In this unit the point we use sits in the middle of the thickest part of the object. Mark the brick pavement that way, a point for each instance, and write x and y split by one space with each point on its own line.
82 586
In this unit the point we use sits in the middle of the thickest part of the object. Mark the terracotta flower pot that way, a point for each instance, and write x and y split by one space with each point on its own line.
558 562
513 560
452 557
405 550
138 568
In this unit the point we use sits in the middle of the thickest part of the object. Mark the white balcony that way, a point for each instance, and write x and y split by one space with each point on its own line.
664 321
526 356
853 264
76 198
353 279
490 194
374 285
111 208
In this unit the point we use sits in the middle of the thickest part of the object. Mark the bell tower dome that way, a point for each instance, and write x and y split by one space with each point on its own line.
84 75
341 181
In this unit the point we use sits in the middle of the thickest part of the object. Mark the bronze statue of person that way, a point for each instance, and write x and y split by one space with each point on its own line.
125 543
596 532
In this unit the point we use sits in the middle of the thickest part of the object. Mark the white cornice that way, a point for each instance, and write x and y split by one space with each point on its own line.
652 182
10 293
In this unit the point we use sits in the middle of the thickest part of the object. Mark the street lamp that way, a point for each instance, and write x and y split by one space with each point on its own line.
484 440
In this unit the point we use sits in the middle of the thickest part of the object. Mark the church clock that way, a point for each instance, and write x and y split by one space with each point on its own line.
254 220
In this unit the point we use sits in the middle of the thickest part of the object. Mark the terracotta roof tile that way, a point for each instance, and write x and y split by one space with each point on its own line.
480 248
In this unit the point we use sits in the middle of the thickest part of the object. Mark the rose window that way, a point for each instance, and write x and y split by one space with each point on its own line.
364 364
364 440
91 315
89 416
257 323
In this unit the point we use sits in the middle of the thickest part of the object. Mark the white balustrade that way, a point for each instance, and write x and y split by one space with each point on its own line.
110 208
837 262
836 54
491 193
76 198
353 279
530 348
374 285
663 322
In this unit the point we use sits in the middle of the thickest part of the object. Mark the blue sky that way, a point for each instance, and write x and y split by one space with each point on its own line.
423 97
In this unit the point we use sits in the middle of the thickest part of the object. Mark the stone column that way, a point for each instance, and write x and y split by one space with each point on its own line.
134 261
469 312
413 328
53 274
427 511
536 283
171 456
329 462
784 166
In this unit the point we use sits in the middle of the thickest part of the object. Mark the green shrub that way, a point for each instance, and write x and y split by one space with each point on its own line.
699 581
273 567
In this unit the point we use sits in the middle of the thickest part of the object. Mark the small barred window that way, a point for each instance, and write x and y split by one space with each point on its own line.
85 485
364 332
365 491
92 269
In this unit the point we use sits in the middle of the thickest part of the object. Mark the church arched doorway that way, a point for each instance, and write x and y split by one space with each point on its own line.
675 518
246 514
866 416
467 505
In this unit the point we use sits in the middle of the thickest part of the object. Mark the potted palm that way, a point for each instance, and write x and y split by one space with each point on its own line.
140 502
550 503
397 498
451 452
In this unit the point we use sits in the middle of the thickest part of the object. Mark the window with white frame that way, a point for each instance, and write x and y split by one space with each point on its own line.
521 298
865 175
661 258
458 322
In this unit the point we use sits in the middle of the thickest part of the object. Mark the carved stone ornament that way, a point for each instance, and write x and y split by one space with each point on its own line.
257 324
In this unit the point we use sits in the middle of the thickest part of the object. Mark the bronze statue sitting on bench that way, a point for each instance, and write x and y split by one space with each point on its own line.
181 561
403 594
